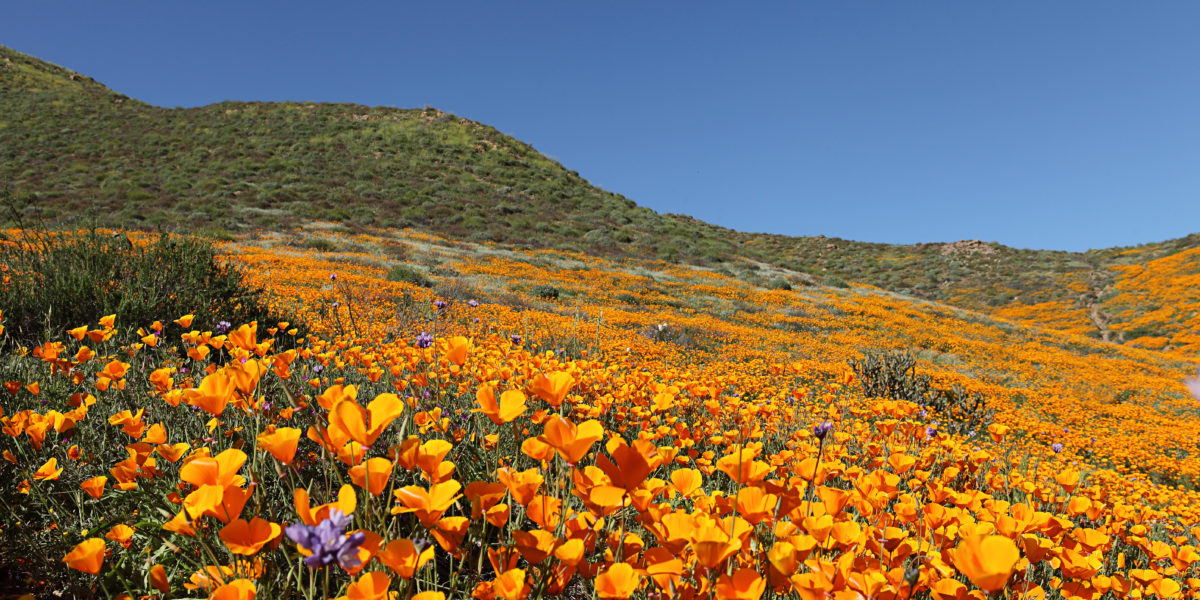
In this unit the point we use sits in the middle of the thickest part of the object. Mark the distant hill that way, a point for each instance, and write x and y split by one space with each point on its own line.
74 153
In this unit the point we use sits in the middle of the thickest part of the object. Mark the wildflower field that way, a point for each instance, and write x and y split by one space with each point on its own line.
440 419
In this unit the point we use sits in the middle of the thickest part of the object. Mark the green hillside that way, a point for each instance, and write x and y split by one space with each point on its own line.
74 153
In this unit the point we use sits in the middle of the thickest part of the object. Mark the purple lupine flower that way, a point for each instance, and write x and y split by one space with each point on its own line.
1057 447
424 340
223 326
333 276
472 303
327 541
822 429
515 339
440 304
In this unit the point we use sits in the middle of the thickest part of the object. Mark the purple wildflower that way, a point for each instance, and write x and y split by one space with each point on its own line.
822 429
333 276
440 304
472 303
223 326
515 339
1057 447
327 541
424 340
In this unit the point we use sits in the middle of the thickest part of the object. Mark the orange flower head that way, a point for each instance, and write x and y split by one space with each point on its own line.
987 560
87 556
281 443
617 582
248 537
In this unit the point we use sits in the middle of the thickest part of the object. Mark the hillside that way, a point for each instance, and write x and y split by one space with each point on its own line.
73 152
483 377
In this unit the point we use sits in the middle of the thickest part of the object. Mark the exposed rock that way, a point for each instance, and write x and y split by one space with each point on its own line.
968 247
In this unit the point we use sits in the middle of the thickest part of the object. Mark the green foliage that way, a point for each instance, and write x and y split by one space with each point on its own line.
408 274
545 292
62 281
894 375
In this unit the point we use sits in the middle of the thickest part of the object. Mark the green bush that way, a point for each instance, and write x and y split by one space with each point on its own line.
409 275
62 281
546 292
894 375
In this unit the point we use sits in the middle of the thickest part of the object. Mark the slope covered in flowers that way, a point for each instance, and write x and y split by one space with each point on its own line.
547 424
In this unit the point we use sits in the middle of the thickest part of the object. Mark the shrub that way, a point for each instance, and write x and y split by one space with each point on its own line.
546 292
409 275
62 281
894 375
835 281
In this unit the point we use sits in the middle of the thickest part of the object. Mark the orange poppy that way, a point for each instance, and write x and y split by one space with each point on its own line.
402 557
94 486
987 560
281 443
510 406
619 581
248 537
365 425
87 556
372 475
48 471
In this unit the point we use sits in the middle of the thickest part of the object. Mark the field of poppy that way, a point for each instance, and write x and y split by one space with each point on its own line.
527 424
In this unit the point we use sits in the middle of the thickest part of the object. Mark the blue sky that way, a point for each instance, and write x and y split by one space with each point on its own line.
1064 125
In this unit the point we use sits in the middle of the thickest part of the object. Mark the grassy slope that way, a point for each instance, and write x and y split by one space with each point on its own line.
73 151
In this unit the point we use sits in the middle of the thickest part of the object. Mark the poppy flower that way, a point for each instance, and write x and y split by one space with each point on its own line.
365 425
572 441
238 589
510 406
371 586
987 560
87 556
280 443
121 534
48 471
510 585
158 579
428 505
744 584
403 557
248 537
94 486
552 388
215 391
372 475
619 581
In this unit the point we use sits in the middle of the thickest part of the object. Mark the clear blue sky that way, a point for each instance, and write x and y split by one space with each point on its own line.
1062 125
